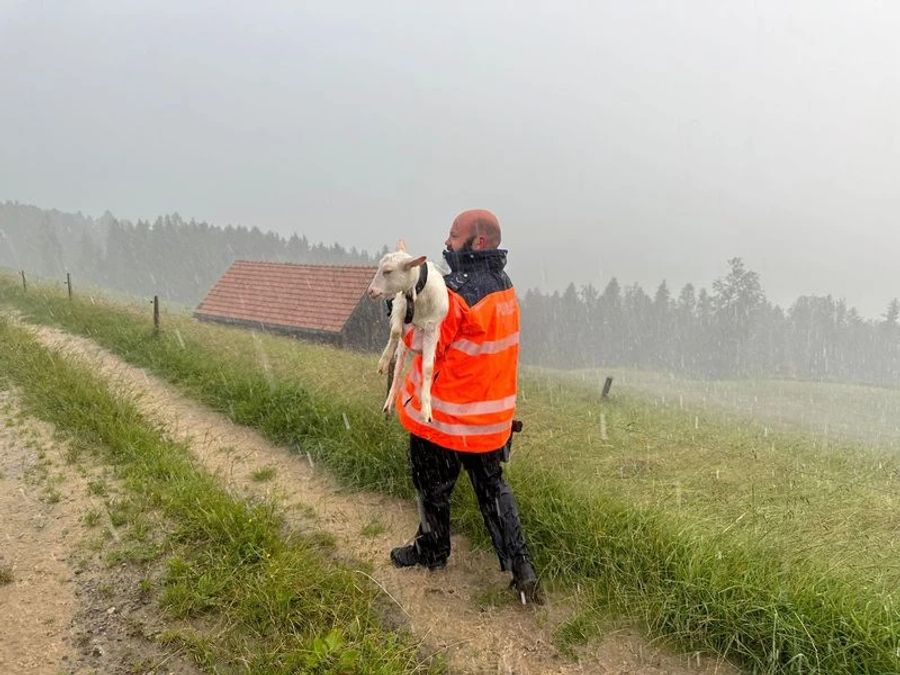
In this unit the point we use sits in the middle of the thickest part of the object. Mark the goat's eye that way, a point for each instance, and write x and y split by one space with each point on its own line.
386 272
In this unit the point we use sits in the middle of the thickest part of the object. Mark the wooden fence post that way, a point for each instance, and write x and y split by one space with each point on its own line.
69 284
156 314
24 282
606 387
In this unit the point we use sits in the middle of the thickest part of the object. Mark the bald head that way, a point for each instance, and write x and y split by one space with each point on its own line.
477 229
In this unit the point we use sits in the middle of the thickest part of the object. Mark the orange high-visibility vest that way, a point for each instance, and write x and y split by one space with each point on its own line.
475 372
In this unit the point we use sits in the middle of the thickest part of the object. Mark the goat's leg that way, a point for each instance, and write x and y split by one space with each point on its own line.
389 351
395 383
397 314
429 346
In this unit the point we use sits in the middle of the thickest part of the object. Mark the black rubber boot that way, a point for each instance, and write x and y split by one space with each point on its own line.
526 584
409 556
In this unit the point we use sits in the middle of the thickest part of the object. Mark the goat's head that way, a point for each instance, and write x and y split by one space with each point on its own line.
397 272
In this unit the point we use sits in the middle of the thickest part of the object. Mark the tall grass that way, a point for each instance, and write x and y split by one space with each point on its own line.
796 498
825 409
683 576
281 603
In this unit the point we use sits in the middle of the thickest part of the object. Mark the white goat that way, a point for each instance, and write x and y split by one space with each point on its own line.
399 275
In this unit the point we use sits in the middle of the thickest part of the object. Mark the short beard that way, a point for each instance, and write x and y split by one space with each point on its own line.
467 246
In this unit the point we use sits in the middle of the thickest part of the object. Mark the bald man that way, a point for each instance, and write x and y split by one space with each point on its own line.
473 404
475 230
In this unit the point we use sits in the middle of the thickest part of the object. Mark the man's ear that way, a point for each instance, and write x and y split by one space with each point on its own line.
414 262
401 245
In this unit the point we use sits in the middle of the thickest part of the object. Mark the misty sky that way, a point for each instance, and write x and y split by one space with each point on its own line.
645 140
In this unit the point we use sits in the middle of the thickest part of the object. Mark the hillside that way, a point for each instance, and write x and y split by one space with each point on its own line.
772 547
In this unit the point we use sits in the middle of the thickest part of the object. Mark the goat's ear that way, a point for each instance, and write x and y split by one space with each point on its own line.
414 262
401 245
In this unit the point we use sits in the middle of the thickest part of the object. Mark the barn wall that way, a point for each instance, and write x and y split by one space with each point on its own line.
321 337
368 327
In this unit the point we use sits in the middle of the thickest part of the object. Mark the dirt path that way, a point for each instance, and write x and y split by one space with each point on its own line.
447 609
38 603
63 608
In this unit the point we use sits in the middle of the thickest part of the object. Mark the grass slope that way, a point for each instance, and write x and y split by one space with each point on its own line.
691 527
282 605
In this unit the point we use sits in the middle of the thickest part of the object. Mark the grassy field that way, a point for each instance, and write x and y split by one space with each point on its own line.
797 496
777 548
856 412
272 603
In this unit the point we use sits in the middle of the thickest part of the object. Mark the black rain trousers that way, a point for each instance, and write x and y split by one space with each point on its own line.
434 473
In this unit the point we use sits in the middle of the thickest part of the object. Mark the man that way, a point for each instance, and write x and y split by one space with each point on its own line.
473 402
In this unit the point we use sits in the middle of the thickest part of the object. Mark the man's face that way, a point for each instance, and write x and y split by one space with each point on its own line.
460 239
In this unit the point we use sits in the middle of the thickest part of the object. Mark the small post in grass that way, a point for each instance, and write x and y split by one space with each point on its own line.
24 282
69 284
156 314
606 387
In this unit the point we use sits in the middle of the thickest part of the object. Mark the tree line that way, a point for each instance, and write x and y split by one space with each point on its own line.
178 260
730 330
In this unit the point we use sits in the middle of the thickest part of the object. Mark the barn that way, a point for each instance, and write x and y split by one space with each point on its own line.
322 303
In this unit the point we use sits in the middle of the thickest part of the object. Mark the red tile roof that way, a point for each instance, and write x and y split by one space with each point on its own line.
305 297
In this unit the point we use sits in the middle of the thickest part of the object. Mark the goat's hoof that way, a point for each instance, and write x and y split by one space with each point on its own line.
426 413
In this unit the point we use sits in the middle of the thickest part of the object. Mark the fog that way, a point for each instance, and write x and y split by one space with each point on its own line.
701 203
642 140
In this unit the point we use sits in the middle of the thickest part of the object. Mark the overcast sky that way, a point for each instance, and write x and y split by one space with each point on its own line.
643 140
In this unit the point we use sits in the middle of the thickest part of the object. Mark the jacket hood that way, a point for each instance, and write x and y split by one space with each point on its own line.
493 260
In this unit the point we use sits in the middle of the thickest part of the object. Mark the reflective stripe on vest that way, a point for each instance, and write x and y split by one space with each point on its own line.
459 409
488 347
460 429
